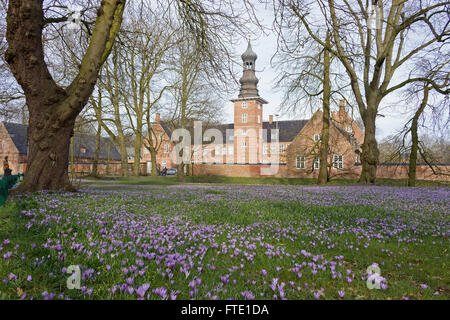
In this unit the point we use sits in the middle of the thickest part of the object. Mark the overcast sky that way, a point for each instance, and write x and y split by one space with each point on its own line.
265 46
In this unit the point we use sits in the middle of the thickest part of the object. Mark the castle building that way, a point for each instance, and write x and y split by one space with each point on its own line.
250 143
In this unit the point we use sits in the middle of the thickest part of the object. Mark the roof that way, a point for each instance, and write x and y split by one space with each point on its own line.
19 135
288 129
88 142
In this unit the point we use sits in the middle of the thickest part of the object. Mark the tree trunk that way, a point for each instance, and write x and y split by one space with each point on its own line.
415 140
370 152
180 172
52 109
137 147
123 155
323 156
98 111
48 156
154 167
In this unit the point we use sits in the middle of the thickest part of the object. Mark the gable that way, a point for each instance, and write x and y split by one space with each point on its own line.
19 135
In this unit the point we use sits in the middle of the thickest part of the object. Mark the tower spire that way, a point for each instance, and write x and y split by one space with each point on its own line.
248 81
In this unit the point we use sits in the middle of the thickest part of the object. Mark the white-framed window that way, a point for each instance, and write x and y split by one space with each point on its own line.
244 143
259 105
259 118
265 149
244 131
244 104
316 163
338 161
244 118
274 134
300 162
166 148
349 128
163 164
273 149
281 148
317 137
224 150
230 149
205 151
217 150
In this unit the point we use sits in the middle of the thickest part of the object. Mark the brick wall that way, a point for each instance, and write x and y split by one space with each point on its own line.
17 162
384 171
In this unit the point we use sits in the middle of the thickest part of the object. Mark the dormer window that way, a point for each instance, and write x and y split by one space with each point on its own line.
83 149
349 128
317 137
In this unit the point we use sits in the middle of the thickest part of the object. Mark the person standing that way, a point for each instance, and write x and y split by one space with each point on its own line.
6 169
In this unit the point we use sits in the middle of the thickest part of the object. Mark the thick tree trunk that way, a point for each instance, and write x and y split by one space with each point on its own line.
52 109
48 156
370 152
415 140
323 155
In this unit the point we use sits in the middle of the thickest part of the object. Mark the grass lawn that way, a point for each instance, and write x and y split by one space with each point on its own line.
172 180
227 241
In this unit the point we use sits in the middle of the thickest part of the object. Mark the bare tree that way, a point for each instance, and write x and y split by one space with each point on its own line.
377 52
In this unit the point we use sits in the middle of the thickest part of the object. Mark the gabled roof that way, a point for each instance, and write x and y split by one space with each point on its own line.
348 136
19 135
288 129
88 142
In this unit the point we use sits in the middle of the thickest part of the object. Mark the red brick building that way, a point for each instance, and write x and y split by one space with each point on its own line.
14 144
239 147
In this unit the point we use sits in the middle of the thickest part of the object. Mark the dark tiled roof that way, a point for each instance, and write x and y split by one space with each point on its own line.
288 129
88 142
350 138
19 135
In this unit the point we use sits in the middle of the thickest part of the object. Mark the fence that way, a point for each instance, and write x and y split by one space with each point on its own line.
6 183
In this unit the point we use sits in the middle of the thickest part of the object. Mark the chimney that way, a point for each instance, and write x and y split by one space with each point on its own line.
342 106
270 119
157 117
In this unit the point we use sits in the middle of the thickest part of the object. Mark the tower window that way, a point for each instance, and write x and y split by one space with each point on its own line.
244 118
259 118
244 105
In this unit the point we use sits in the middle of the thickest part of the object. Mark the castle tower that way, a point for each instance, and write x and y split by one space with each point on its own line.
248 113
